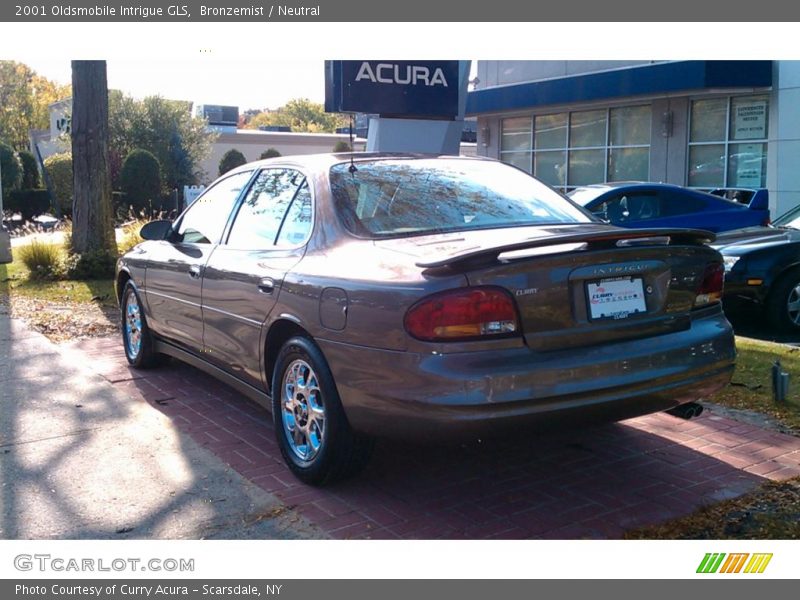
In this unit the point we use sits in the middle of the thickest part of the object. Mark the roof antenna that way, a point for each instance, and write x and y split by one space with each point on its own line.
352 167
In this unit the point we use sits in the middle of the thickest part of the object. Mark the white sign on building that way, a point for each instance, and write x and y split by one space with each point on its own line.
750 120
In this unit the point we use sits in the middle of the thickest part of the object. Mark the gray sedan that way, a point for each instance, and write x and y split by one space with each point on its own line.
426 297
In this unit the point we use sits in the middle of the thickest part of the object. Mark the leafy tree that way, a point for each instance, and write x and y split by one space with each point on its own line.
10 168
93 240
30 171
141 178
165 128
59 169
301 114
230 160
25 98
269 153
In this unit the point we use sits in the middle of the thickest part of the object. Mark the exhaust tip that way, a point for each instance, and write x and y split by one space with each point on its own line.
686 411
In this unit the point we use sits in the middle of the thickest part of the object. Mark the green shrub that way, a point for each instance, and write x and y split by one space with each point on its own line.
90 265
59 168
140 179
10 167
28 203
342 146
269 153
43 260
30 171
230 160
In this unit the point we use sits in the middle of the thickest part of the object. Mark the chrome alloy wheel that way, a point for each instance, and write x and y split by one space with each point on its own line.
303 410
133 326
793 304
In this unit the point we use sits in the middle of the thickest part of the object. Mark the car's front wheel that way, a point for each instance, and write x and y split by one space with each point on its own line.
312 430
136 335
783 306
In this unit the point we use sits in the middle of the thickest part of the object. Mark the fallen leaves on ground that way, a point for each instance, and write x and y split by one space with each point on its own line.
64 321
771 512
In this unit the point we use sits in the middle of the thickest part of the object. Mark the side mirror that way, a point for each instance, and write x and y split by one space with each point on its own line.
156 230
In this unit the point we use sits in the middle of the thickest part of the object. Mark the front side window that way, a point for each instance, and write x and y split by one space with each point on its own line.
205 219
274 211
728 142
391 198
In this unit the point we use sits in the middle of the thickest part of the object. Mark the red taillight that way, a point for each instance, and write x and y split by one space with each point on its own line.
710 288
463 314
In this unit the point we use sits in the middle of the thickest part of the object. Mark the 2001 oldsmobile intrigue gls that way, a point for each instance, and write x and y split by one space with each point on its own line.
421 296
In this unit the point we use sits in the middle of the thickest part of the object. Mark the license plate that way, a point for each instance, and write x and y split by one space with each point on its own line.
616 298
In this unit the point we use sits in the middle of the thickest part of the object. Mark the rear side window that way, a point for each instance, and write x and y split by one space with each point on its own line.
276 210
203 221
674 205
390 198
297 223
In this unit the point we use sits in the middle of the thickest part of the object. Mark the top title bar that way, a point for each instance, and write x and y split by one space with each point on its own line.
406 11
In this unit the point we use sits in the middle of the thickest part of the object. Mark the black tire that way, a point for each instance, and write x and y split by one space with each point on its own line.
783 311
141 355
324 448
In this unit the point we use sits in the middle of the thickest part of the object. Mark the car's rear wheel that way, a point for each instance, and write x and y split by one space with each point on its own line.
312 430
136 337
783 306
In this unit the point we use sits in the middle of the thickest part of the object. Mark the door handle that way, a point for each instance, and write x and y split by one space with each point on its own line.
266 285
195 271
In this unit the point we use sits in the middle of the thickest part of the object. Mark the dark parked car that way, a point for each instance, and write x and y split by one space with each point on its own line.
414 296
762 267
665 205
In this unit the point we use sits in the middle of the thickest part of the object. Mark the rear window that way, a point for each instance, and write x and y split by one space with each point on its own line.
585 195
390 198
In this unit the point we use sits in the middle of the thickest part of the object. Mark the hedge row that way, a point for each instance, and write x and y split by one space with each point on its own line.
29 203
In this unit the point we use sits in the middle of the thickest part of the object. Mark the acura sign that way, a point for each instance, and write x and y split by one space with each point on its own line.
399 89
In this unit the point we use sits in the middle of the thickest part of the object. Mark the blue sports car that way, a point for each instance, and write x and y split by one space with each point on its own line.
664 205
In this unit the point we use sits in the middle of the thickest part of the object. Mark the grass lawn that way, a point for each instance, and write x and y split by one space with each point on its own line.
14 282
751 388
61 310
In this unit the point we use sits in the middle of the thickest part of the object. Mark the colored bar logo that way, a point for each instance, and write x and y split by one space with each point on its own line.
719 562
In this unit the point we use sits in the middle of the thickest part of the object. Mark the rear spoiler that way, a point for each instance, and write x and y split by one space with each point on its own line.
596 240
752 198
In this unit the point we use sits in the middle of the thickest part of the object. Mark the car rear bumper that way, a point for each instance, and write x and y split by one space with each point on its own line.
430 396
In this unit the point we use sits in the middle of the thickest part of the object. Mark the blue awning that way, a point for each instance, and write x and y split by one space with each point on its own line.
660 78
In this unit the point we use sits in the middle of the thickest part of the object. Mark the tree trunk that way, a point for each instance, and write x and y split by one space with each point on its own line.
92 222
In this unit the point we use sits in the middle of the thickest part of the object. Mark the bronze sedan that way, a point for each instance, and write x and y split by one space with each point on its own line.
417 296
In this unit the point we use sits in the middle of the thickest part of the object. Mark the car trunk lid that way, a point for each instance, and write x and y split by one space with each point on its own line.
579 286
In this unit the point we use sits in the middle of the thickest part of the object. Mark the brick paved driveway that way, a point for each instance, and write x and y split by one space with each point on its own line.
586 484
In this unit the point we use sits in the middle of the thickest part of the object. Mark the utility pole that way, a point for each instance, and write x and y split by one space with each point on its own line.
5 239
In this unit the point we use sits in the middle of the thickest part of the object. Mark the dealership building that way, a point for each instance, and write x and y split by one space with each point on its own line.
703 124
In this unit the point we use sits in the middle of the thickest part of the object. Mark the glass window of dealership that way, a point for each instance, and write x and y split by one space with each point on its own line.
726 143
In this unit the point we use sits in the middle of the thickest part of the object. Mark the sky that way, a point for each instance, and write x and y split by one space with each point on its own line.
258 65
246 84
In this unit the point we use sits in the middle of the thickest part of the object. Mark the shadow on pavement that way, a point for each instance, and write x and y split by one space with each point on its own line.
752 324
79 459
